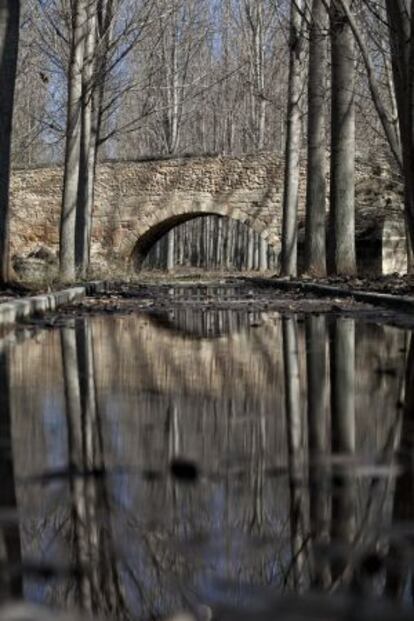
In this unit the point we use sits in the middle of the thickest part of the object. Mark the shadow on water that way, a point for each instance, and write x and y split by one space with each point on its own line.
152 473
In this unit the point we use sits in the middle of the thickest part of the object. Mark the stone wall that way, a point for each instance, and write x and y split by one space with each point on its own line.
136 203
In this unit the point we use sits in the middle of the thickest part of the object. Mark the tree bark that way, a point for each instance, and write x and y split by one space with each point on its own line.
263 262
73 142
342 199
9 42
401 24
293 139
315 230
170 251
88 148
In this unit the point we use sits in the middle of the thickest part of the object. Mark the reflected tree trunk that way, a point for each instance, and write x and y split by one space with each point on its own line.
318 441
403 509
257 474
295 436
11 582
75 454
343 440
99 589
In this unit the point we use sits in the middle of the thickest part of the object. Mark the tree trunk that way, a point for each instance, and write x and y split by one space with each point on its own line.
73 143
263 264
342 200
315 233
88 149
250 250
293 139
170 251
9 42
401 24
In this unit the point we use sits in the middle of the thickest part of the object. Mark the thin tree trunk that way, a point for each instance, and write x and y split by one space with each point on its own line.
88 149
315 233
293 139
170 251
73 143
9 42
401 23
263 263
250 250
342 199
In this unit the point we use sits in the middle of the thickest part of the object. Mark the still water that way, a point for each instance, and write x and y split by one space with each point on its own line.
150 463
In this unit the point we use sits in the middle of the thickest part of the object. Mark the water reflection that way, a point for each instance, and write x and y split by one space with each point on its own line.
10 545
293 431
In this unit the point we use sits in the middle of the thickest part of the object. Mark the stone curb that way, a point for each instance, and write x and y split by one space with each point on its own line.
397 302
39 305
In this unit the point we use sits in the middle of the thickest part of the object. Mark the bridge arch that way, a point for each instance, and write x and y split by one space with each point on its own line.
139 242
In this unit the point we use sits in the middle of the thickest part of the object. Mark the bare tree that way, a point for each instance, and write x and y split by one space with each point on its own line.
9 38
89 145
73 140
315 233
401 24
342 196
293 138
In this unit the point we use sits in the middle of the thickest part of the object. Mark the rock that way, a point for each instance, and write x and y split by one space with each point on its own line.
39 264
202 613
43 254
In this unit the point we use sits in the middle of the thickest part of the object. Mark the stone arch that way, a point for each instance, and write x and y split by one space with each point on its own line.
139 241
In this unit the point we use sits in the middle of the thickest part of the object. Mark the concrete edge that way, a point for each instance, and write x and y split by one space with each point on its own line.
38 305
396 302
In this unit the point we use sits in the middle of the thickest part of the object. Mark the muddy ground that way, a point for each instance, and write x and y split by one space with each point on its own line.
228 293
158 292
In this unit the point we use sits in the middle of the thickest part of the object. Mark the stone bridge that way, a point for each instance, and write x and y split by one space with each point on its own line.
137 202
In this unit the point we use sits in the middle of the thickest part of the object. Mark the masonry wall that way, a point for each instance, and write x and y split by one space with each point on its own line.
134 197
138 201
